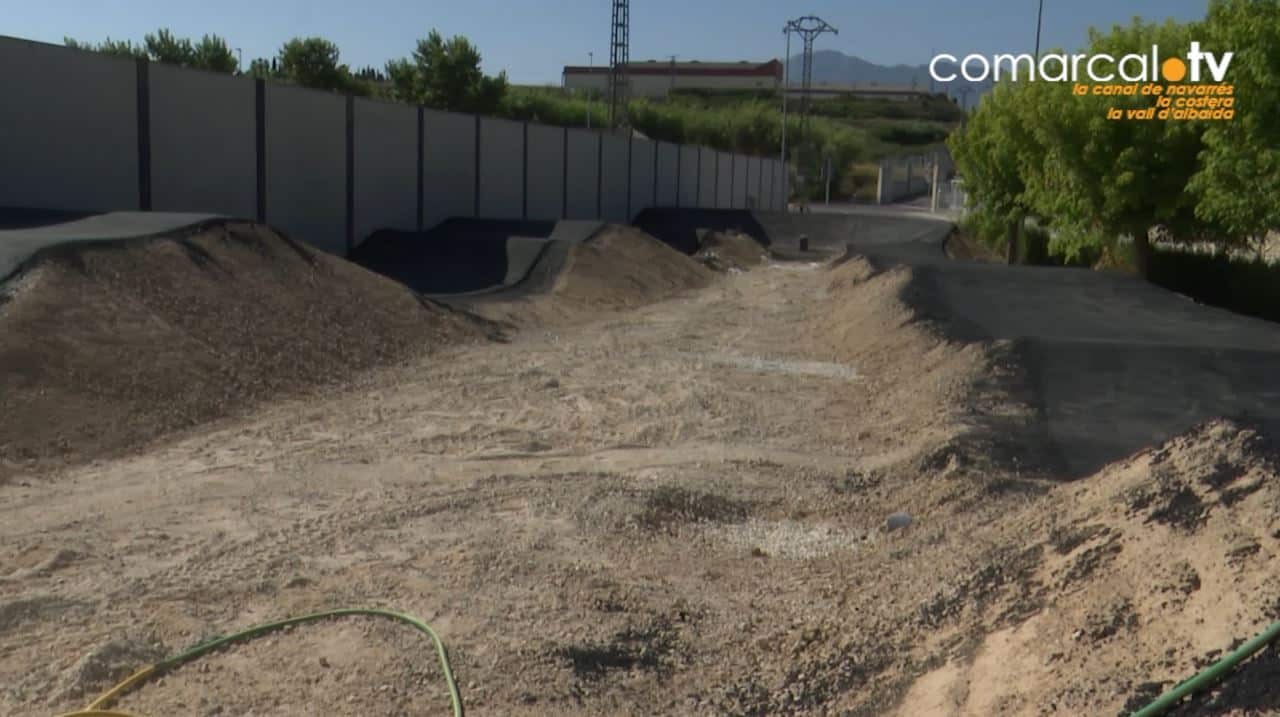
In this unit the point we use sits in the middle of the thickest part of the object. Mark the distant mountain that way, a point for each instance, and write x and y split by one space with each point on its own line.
831 67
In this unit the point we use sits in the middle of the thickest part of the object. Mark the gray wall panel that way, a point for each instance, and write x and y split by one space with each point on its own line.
706 177
448 166
614 187
766 169
724 180
779 186
582 170
68 128
668 156
203 146
307 165
740 179
642 151
688 175
501 169
386 167
546 171
753 183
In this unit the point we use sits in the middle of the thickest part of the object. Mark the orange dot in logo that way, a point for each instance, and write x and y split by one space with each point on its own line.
1173 69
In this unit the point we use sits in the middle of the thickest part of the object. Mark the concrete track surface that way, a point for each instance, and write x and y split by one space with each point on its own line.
679 507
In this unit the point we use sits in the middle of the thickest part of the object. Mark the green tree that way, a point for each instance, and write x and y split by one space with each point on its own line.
446 75
162 46
116 48
312 62
1033 147
213 54
1238 185
1103 178
263 68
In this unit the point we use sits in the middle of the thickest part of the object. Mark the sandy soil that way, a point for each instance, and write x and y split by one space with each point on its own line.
654 508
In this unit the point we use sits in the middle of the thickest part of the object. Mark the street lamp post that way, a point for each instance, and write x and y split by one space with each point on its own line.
239 61
591 66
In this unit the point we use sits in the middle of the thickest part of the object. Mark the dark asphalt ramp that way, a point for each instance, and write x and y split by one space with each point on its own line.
464 256
678 228
23 234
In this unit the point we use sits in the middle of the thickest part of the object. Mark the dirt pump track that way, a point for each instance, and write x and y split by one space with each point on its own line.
663 491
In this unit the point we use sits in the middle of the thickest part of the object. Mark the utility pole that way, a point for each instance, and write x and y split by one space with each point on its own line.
786 80
673 75
619 58
1039 17
239 62
591 67
808 28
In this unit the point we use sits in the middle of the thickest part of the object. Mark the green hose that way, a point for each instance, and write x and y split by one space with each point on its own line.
205 648
1210 675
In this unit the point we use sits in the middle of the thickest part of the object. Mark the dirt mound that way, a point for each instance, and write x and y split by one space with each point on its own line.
961 401
619 268
109 345
1149 571
730 251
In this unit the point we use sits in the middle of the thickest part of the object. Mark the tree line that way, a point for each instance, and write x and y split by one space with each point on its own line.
1034 150
441 73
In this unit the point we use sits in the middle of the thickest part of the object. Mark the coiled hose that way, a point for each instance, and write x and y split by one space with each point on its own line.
98 708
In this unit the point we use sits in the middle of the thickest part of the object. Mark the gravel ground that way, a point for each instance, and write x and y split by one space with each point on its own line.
674 507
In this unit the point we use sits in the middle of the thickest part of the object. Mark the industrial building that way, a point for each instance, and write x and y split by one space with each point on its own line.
656 78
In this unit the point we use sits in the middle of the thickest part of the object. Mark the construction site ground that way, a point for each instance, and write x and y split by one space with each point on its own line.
667 490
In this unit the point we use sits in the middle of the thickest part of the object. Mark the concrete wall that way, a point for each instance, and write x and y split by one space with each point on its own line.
668 174
501 169
642 175
724 180
779 185
706 177
386 176
615 179
546 172
741 177
307 165
688 176
448 166
766 183
203 142
68 128
76 128
582 173
753 182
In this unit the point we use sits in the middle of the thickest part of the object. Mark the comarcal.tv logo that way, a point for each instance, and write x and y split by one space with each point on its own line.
1060 67
1192 86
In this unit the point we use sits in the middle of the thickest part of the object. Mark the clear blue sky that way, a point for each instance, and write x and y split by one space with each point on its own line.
532 40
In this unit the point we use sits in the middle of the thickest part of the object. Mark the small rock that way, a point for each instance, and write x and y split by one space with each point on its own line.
897 521
324 661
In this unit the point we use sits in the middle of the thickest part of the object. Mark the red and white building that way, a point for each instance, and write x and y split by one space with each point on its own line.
657 78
